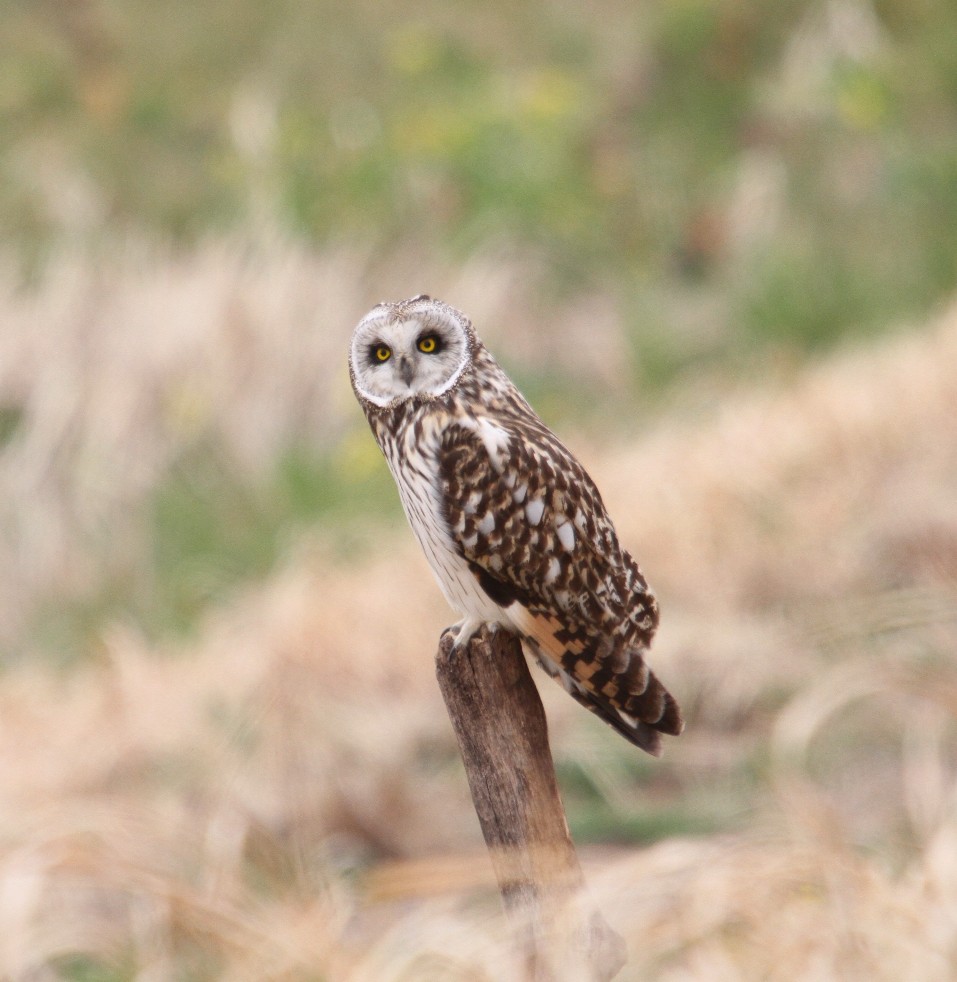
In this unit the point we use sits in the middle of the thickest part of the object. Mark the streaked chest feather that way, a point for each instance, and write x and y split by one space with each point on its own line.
412 454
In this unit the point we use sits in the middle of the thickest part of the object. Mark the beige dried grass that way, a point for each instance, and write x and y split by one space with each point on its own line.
119 363
281 799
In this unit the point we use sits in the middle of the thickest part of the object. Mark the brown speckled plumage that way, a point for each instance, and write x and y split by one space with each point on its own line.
511 523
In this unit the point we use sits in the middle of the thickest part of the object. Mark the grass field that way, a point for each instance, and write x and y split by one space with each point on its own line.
271 789
713 244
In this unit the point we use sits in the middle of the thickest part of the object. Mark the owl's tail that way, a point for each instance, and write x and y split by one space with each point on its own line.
621 690
653 713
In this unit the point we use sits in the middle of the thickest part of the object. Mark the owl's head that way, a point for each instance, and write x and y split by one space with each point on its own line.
417 347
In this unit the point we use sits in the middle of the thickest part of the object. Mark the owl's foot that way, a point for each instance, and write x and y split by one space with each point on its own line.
466 629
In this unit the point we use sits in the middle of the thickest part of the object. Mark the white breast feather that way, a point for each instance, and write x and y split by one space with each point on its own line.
415 469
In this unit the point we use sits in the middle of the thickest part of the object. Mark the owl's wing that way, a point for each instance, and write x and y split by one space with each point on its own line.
532 527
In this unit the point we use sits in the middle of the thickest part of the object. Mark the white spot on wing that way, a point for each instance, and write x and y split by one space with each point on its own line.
494 438
566 535
534 511
554 568
487 523
518 495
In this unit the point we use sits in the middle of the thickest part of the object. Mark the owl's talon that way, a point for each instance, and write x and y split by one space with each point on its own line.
465 630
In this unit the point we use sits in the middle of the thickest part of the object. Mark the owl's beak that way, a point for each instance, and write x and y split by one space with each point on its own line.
406 369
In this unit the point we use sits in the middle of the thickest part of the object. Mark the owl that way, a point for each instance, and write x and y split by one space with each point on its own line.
511 524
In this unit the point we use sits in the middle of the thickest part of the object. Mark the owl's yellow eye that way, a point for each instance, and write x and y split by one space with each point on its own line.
383 352
429 344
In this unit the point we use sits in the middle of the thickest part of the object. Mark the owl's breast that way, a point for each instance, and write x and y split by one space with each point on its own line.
411 451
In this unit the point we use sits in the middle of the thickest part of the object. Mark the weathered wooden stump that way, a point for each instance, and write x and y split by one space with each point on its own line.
499 722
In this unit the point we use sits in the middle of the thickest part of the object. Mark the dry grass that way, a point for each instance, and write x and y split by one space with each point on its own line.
282 799
119 363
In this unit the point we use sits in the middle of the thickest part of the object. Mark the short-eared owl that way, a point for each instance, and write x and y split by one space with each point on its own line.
513 527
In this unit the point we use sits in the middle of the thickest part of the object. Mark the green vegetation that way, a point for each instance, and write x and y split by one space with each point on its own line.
84 969
621 798
212 530
798 161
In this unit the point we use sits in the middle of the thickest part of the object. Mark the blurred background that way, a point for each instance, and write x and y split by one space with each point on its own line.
713 242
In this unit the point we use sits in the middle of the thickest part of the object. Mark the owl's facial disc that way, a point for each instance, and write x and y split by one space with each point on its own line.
415 348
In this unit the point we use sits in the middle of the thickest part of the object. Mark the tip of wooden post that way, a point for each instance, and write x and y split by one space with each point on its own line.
489 637
446 643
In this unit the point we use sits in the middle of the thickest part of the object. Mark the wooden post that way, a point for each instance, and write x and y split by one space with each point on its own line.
500 725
